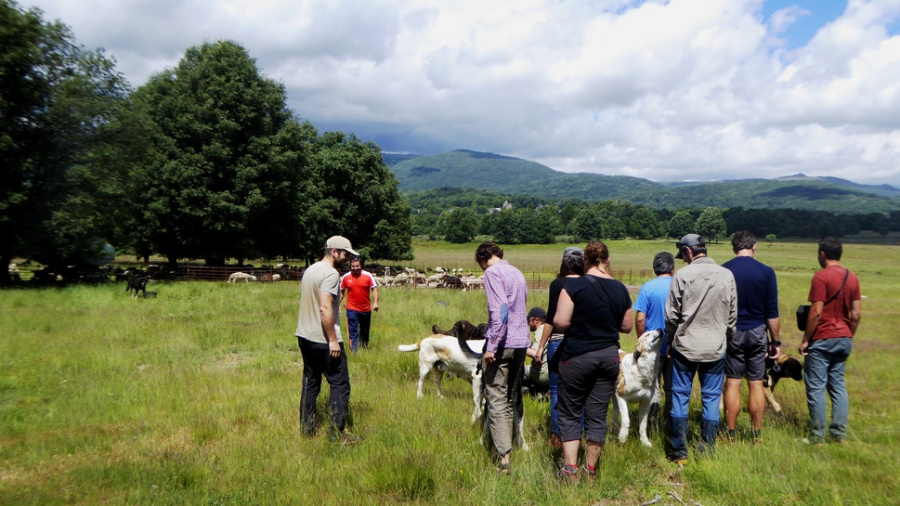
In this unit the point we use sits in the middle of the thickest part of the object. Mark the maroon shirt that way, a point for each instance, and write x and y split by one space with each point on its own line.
835 320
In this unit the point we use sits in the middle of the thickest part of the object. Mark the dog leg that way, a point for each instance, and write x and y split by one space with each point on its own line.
476 397
520 428
644 411
625 422
770 398
438 376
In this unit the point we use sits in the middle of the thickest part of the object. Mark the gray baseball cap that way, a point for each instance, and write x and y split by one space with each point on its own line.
573 251
688 240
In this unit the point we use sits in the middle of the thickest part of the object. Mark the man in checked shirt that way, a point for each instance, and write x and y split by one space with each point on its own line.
508 338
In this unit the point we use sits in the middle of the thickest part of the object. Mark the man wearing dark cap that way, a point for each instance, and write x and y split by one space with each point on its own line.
320 340
538 375
701 313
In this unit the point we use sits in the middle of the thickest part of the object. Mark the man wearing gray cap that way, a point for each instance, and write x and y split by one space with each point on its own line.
320 340
701 313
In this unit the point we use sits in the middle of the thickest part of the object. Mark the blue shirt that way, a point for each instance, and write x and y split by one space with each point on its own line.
757 291
652 302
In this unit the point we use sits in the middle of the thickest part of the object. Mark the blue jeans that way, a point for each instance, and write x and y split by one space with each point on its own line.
358 324
823 369
712 376
552 346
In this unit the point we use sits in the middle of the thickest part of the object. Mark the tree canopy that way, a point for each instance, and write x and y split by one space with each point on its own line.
56 98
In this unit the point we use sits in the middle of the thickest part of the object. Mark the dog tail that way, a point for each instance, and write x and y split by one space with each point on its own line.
409 347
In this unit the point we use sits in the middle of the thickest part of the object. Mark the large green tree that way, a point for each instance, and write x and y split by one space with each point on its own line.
710 224
56 98
681 224
227 174
358 198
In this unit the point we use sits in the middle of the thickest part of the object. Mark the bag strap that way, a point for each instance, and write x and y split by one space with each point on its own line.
833 297
606 298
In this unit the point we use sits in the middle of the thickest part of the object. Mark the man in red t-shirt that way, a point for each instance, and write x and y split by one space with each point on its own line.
828 340
355 287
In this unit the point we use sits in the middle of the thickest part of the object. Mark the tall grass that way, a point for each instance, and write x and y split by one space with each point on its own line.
193 398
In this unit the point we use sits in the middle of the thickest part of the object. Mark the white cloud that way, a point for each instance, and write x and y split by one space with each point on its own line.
666 90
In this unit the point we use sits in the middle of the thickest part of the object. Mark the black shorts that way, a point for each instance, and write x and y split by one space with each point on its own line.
746 354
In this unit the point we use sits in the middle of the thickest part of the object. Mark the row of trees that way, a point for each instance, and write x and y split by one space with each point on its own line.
204 161
459 215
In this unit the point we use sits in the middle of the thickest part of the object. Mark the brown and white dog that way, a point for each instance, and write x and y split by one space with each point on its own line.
639 382
462 358
453 355
786 366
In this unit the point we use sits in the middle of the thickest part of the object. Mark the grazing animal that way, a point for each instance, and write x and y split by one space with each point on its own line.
271 278
241 276
639 382
454 355
787 366
464 329
137 284
457 356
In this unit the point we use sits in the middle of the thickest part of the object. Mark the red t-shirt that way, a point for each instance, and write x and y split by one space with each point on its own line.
836 314
358 290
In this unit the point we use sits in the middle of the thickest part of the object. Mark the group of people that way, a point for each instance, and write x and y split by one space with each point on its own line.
721 324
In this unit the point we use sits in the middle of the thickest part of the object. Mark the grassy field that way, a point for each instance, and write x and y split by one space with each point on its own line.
192 398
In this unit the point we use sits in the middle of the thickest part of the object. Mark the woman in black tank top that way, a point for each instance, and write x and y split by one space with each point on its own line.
592 310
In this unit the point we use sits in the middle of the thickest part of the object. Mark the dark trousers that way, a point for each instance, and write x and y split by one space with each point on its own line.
586 385
318 363
358 324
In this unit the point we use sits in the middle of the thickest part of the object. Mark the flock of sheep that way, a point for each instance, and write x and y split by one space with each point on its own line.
454 278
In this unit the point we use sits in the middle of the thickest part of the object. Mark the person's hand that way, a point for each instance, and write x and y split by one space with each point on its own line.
538 353
777 352
804 346
334 349
375 307
489 357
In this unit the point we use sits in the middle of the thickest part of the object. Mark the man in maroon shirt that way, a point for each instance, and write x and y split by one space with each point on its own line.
828 340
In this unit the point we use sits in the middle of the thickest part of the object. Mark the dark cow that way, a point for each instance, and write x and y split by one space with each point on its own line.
137 284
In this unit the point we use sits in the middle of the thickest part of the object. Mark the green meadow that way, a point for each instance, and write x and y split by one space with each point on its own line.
192 398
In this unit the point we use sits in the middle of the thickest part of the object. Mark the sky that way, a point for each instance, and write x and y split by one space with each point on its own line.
664 90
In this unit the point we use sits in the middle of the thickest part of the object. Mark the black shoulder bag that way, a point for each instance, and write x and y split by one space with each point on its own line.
803 311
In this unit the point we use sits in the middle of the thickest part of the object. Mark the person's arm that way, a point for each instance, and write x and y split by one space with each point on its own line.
640 324
627 321
812 321
327 312
855 315
493 286
545 336
564 309
774 326
375 298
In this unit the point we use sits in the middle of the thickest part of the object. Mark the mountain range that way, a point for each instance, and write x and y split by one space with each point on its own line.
491 172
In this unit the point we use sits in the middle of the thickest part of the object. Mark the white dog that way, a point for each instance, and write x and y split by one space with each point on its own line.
639 381
446 354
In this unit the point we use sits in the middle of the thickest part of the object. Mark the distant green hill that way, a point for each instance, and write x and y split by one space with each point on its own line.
514 176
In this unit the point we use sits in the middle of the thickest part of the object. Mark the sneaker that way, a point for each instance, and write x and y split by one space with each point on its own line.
568 475
681 460
807 441
590 473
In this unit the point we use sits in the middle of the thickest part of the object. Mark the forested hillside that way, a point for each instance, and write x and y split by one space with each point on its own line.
514 176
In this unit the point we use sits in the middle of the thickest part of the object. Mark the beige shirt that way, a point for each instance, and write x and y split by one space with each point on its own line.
702 306
319 277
